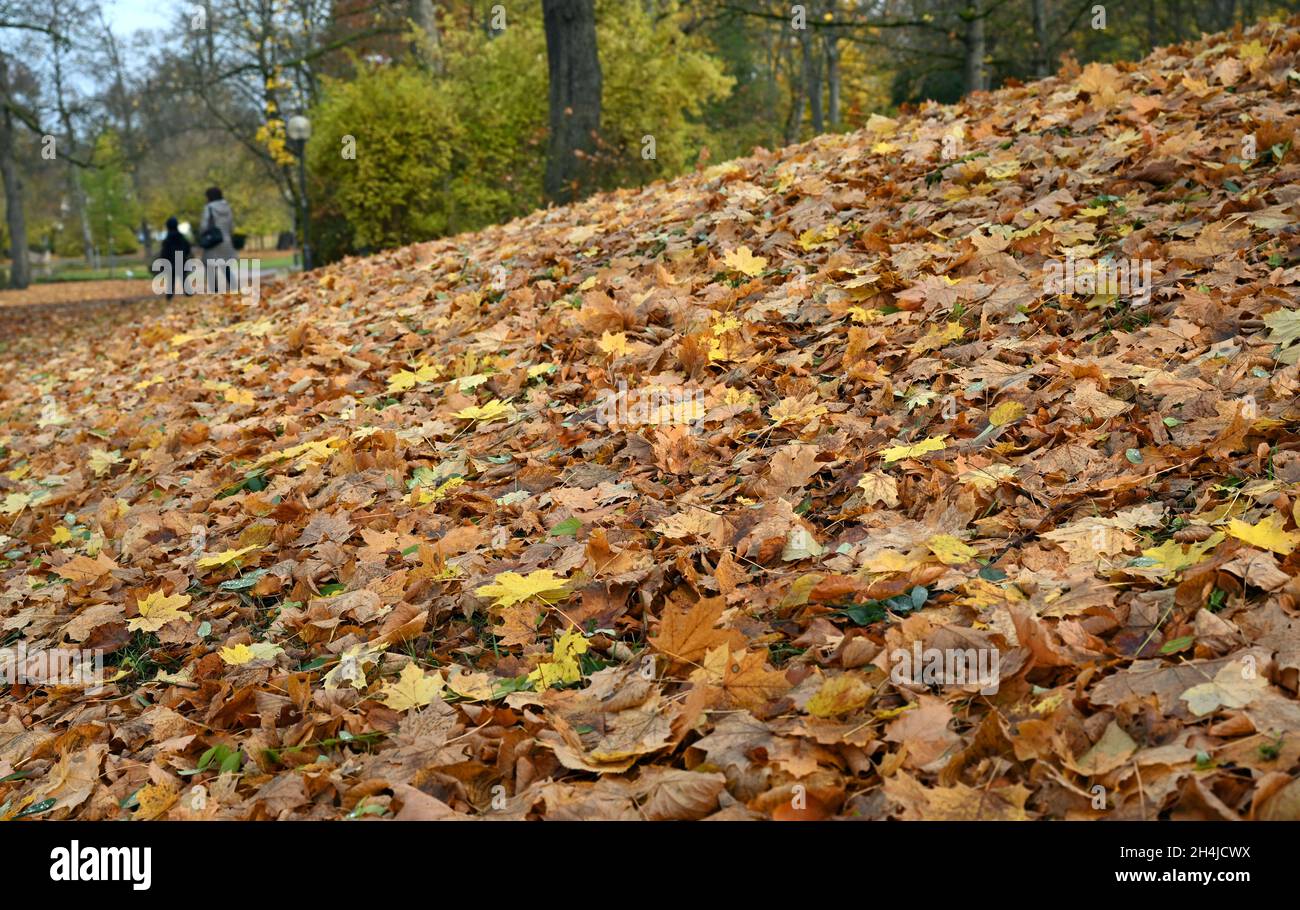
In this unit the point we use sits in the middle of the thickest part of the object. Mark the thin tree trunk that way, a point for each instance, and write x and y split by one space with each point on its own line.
794 120
975 49
833 80
80 203
1042 53
812 79
573 67
428 48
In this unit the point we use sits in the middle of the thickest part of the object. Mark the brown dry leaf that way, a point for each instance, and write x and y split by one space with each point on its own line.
686 634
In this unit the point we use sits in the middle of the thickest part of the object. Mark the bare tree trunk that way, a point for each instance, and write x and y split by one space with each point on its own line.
975 49
573 67
73 179
794 119
812 80
20 272
428 48
833 79
1042 53
78 193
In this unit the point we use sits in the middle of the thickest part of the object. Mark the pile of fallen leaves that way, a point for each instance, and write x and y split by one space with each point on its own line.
620 510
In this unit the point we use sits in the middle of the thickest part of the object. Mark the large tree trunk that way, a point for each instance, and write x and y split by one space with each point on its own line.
573 68
1042 53
975 49
20 272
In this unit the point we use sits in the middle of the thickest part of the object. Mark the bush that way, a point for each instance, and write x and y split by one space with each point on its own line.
394 191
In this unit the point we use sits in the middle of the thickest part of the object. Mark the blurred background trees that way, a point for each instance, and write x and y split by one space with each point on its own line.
438 116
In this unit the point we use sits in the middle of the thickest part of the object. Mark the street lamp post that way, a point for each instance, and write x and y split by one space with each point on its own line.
299 131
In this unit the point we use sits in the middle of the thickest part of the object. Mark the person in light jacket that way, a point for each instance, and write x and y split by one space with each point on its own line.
217 214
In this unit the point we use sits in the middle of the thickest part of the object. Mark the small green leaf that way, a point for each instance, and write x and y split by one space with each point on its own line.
567 528
1175 645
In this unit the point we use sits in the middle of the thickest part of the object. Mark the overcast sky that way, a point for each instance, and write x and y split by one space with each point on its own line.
127 16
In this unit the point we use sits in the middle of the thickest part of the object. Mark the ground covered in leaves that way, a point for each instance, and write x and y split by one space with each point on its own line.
391 542
71 292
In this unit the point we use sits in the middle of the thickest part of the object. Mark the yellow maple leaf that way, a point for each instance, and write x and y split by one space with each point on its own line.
61 535
15 503
563 666
1252 50
1005 413
841 694
887 562
404 380
152 800
930 444
878 487
725 324
158 609
238 655
813 238
950 551
796 410
1001 170
226 557
614 343
243 654
238 396
313 452
423 495
474 686
743 261
1267 534
413 689
939 336
102 460
493 410
1170 556
512 588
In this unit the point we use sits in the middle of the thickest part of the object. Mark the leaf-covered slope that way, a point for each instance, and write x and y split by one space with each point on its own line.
389 543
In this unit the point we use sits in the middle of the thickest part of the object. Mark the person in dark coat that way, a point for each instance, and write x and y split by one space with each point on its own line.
175 252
